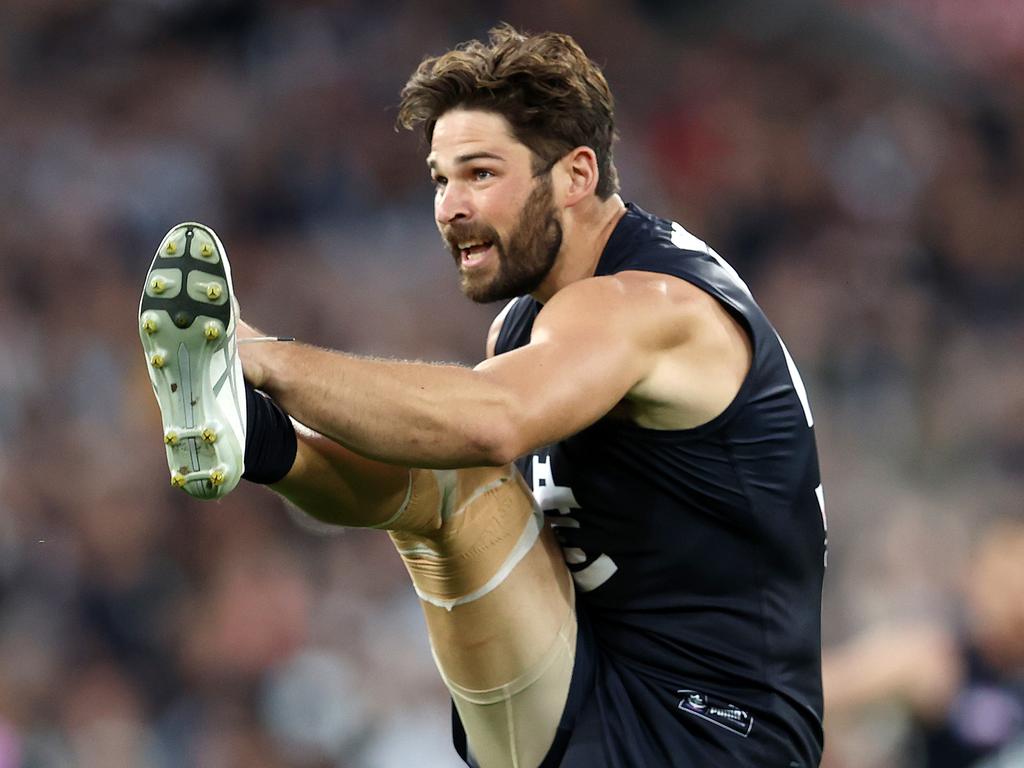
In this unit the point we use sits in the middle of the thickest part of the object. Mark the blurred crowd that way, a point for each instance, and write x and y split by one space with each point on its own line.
861 164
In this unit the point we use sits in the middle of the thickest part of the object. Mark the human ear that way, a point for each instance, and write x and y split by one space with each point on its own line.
581 166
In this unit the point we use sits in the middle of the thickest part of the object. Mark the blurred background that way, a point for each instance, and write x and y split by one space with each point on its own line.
861 163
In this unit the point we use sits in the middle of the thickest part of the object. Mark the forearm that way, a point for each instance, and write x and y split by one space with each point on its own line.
917 665
414 414
335 485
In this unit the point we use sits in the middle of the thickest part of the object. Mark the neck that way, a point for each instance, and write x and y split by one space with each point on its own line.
585 231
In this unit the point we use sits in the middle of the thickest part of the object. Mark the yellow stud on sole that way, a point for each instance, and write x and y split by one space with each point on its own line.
209 436
217 477
206 250
157 360
171 438
213 291
149 325
178 480
211 331
172 248
158 285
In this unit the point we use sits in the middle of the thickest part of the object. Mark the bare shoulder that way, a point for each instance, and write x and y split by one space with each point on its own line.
662 310
697 353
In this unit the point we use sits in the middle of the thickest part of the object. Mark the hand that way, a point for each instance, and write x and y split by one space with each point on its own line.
254 367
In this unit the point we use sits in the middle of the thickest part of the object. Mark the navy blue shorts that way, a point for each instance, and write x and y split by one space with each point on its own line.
619 717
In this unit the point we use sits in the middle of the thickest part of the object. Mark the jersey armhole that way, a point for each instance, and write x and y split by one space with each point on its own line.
746 325
494 333
742 394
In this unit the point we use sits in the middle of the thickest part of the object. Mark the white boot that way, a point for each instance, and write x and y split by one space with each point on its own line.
187 320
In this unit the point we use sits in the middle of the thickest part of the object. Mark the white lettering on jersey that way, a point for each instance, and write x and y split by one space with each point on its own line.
560 499
574 555
549 496
595 574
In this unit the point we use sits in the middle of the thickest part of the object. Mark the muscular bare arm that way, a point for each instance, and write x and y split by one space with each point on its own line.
595 342
338 486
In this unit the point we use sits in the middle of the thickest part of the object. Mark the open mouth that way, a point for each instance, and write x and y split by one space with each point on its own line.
474 252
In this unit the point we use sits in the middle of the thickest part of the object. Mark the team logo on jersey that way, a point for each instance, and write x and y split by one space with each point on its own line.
557 503
716 710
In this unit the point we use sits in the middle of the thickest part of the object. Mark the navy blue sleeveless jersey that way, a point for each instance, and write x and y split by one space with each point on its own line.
698 554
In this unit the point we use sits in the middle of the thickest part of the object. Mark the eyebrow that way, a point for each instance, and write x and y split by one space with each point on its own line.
432 163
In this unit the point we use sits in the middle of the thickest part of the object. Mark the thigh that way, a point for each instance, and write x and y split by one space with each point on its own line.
494 640
518 723
507 656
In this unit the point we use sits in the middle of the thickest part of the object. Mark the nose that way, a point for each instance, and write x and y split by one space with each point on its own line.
452 203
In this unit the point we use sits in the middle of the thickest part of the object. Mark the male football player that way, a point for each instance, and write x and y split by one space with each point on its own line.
633 392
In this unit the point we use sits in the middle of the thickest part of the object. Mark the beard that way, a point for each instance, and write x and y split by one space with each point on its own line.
526 259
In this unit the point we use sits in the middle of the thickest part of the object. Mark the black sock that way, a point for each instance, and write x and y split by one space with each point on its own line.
270 441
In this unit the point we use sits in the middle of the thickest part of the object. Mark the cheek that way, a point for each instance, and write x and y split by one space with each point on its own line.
502 215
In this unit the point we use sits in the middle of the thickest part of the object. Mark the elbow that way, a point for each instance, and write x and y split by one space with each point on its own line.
498 442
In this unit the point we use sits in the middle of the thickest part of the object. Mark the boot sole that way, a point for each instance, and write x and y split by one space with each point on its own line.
187 327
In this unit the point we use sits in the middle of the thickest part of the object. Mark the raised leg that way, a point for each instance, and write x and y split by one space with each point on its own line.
495 590
499 605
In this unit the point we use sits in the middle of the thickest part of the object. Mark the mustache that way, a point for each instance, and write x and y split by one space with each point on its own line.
453 234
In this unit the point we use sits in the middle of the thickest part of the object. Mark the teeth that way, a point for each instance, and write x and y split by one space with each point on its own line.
470 244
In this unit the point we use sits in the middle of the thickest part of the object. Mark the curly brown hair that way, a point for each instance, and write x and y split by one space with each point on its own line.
553 96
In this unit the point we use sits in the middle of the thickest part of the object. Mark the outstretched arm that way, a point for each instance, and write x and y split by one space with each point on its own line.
325 480
340 487
593 343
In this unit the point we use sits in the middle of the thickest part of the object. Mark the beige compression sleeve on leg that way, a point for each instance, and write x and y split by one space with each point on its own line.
498 600
475 531
513 725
